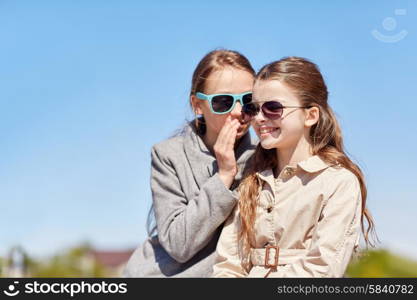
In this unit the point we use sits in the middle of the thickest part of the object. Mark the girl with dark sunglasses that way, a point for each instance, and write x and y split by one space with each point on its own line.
302 204
194 174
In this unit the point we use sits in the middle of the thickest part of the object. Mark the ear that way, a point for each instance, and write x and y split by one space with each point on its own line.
312 116
195 103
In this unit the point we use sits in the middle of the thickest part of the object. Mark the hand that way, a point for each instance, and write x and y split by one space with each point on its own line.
224 151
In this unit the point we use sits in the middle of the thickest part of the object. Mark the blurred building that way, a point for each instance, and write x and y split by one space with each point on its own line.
113 261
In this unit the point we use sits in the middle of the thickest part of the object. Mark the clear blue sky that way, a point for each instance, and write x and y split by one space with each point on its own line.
87 87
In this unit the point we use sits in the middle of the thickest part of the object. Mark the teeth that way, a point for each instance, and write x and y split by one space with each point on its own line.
267 130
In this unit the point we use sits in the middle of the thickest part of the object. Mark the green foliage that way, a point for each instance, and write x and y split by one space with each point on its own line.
381 263
75 262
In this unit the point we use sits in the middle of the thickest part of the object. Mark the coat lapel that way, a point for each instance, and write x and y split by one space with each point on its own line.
198 156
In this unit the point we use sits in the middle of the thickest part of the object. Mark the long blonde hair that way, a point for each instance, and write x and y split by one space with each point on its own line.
307 82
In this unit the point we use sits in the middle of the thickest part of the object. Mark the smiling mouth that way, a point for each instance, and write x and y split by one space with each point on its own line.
268 130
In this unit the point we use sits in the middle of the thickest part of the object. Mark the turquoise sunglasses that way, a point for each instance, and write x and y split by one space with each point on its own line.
224 103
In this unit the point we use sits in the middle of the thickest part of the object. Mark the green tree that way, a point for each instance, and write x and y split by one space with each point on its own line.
382 263
75 262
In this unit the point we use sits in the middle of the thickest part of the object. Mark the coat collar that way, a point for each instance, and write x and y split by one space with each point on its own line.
202 162
311 165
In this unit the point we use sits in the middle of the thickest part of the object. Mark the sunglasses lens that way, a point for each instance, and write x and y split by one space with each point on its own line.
272 110
222 103
247 98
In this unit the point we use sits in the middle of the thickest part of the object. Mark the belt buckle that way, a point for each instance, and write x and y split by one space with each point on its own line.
267 251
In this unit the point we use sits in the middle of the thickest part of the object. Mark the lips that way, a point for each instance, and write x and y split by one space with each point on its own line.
267 130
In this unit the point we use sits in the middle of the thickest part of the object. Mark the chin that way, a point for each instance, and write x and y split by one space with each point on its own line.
268 144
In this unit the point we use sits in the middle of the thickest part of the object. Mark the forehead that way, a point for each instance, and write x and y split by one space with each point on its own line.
229 80
265 90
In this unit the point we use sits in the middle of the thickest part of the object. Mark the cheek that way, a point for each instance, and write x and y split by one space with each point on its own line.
205 108
214 121
292 128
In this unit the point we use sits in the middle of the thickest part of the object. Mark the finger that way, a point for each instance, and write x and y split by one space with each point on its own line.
224 132
230 137
227 135
232 126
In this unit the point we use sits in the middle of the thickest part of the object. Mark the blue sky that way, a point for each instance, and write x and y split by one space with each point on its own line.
87 87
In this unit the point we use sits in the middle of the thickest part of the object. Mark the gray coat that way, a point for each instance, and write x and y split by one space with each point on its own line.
191 204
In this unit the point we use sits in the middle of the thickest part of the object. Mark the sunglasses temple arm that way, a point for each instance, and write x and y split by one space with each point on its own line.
201 96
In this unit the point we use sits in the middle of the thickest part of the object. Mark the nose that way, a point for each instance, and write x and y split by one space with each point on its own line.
237 110
259 118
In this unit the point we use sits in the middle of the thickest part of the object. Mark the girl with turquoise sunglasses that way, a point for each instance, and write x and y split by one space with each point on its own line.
194 175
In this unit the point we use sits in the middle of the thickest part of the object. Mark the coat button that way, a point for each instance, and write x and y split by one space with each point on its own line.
269 209
288 171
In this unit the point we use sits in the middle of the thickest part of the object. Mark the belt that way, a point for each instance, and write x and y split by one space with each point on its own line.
273 256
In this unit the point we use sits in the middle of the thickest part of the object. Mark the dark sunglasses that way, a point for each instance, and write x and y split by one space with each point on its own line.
272 109
224 103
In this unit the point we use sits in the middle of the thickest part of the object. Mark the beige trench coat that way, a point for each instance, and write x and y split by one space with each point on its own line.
311 214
